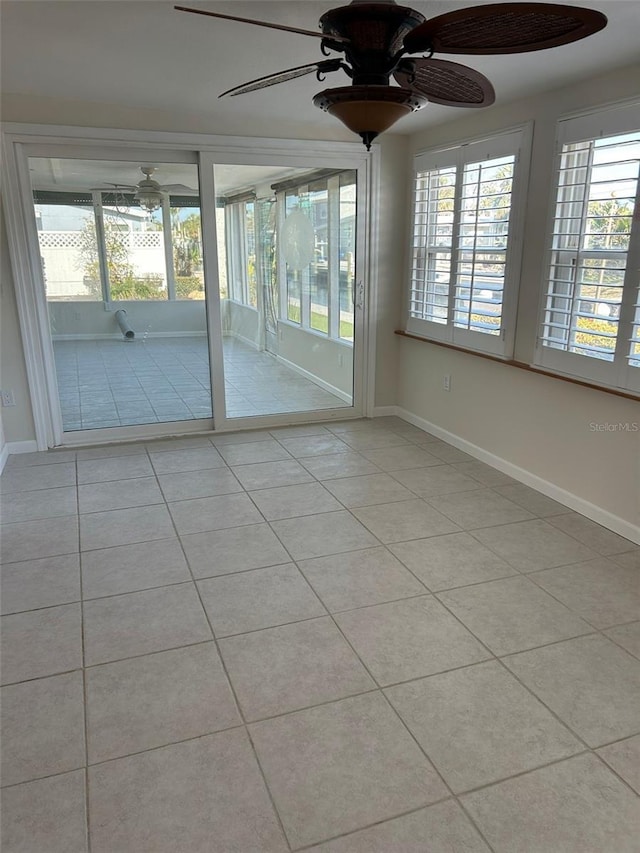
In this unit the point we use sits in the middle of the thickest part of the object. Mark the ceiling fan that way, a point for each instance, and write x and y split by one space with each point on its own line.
148 192
378 39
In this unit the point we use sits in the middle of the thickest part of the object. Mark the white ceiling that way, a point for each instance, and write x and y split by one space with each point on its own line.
144 54
55 173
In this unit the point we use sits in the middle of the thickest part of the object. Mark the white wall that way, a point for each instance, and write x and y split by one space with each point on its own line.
327 360
241 321
330 361
537 423
73 319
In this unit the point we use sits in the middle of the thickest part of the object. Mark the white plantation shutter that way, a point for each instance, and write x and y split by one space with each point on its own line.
590 323
464 251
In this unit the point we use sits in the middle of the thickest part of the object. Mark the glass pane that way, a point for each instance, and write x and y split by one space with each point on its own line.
250 239
432 244
136 262
594 213
317 205
289 348
68 252
293 276
347 253
482 242
186 239
125 292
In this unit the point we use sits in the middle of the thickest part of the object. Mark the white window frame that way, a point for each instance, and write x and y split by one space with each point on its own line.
516 142
237 244
618 373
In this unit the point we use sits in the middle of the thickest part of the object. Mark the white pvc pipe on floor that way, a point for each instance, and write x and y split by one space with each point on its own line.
127 331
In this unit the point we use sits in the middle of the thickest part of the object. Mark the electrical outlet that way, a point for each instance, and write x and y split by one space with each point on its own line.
446 382
7 398
340 359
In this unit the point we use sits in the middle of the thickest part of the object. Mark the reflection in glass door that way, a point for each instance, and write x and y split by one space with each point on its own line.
286 261
123 271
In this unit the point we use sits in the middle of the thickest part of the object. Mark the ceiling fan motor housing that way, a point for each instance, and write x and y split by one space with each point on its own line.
375 33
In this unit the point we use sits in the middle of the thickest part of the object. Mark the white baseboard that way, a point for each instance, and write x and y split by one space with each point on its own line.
326 386
117 336
12 447
384 411
22 446
551 490
229 333
313 378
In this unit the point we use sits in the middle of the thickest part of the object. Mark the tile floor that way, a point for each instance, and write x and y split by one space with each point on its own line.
108 383
342 638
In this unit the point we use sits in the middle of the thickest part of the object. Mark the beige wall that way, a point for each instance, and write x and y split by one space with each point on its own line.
18 420
545 426
388 253
539 424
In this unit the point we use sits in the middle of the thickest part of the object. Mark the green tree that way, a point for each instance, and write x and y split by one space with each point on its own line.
123 282
609 224
185 235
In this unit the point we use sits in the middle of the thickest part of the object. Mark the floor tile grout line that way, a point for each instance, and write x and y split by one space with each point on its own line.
393 709
618 644
435 767
235 696
85 704
239 726
612 769
468 629
353 832
529 690
611 532
564 604
494 657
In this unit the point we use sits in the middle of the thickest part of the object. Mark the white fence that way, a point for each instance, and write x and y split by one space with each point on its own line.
64 265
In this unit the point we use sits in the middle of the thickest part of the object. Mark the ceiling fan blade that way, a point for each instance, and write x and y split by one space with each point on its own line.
181 189
504 28
283 76
297 30
444 82
113 188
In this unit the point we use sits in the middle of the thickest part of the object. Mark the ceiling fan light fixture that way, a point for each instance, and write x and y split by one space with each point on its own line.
150 200
369 110
148 194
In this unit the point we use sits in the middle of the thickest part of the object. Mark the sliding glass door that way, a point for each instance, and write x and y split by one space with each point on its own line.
182 289
122 265
286 257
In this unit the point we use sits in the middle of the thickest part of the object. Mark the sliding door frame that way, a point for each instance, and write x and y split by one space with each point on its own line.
20 141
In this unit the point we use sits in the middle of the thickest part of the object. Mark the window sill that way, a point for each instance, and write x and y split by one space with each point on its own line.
627 395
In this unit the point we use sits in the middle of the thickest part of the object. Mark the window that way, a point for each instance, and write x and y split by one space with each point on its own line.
241 249
590 324
68 249
317 291
465 251
102 246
